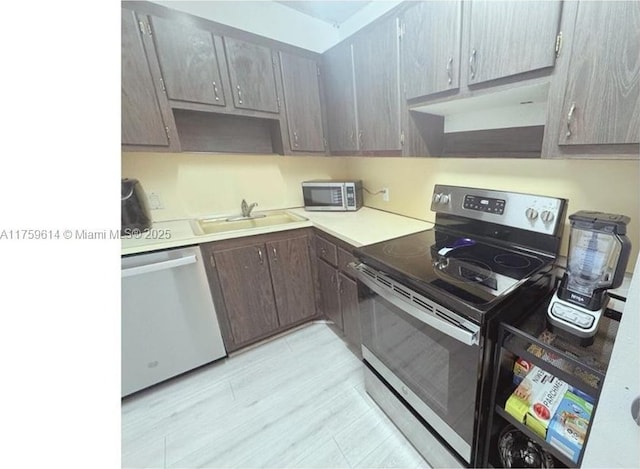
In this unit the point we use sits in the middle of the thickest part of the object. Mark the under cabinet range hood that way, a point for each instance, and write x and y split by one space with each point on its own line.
502 123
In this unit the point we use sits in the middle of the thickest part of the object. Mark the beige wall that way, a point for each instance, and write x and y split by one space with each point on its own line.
192 185
607 186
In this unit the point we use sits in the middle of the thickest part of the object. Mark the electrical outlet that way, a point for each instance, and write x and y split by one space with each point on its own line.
155 202
385 194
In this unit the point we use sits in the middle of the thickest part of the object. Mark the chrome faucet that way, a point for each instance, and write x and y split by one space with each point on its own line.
246 209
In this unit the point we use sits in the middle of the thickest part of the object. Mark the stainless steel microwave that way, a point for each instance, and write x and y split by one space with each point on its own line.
332 195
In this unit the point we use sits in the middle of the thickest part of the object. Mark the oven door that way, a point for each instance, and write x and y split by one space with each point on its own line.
432 362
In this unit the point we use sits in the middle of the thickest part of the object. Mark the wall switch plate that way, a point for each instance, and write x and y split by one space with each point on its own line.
385 194
155 202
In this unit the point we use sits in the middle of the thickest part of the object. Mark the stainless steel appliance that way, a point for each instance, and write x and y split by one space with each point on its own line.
430 303
597 259
169 323
332 195
135 212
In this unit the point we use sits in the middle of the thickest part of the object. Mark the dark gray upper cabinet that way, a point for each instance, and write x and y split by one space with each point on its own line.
253 81
188 61
143 122
302 102
431 47
339 92
377 72
511 37
602 99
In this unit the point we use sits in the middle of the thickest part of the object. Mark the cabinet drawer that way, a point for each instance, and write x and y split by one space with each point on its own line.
344 258
327 251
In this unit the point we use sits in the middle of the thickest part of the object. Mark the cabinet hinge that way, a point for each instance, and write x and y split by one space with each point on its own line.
558 44
402 138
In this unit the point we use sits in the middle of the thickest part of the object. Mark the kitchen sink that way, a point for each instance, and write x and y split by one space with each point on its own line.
205 226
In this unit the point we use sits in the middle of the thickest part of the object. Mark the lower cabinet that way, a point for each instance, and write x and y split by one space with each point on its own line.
261 285
338 290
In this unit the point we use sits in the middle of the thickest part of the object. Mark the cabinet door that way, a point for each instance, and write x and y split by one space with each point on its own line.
302 102
602 97
350 313
188 61
338 80
246 287
431 48
329 299
292 280
142 119
377 70
253 82
511 37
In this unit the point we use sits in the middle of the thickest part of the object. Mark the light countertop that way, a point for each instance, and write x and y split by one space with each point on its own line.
365 226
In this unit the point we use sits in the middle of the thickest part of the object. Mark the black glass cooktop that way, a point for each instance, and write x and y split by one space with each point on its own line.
470 270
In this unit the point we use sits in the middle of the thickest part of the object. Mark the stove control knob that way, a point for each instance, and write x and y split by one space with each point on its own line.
547 216
444 199
436 198
531 214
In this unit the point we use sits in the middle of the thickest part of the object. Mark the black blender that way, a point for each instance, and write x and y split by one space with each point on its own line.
597 259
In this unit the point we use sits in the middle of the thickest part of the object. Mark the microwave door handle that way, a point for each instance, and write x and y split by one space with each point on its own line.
155 267
458 333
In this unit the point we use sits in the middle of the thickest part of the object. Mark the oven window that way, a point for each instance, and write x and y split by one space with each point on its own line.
421 362
439 369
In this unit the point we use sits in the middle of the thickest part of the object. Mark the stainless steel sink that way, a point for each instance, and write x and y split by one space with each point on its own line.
205 226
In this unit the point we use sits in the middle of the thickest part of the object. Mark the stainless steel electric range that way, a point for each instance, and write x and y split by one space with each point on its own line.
430 303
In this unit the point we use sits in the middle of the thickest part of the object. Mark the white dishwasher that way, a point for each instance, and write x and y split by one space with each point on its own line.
169 322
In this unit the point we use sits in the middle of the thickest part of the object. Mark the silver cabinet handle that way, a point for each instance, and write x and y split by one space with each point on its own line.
570 118
635 410
472 63
450 69
215 91
239 94
360 139
295 139
275 253
260 255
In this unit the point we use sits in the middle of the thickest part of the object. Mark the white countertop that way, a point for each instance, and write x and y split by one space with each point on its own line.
366 226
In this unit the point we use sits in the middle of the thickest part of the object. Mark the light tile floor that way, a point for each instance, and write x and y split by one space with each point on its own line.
297 401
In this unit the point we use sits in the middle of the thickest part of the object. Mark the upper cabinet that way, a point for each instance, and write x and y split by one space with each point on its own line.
188 61
431 48
253 77
594 104
340 98
377 75
146 118
602 98
302 102
511 37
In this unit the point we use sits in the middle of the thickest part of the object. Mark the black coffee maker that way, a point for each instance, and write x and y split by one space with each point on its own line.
135 211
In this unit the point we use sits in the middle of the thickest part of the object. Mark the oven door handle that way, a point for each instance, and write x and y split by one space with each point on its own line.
457 332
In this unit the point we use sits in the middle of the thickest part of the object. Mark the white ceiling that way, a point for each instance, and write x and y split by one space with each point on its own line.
285 21
334 12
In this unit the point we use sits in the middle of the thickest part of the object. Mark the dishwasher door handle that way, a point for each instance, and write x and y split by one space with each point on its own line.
164 265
